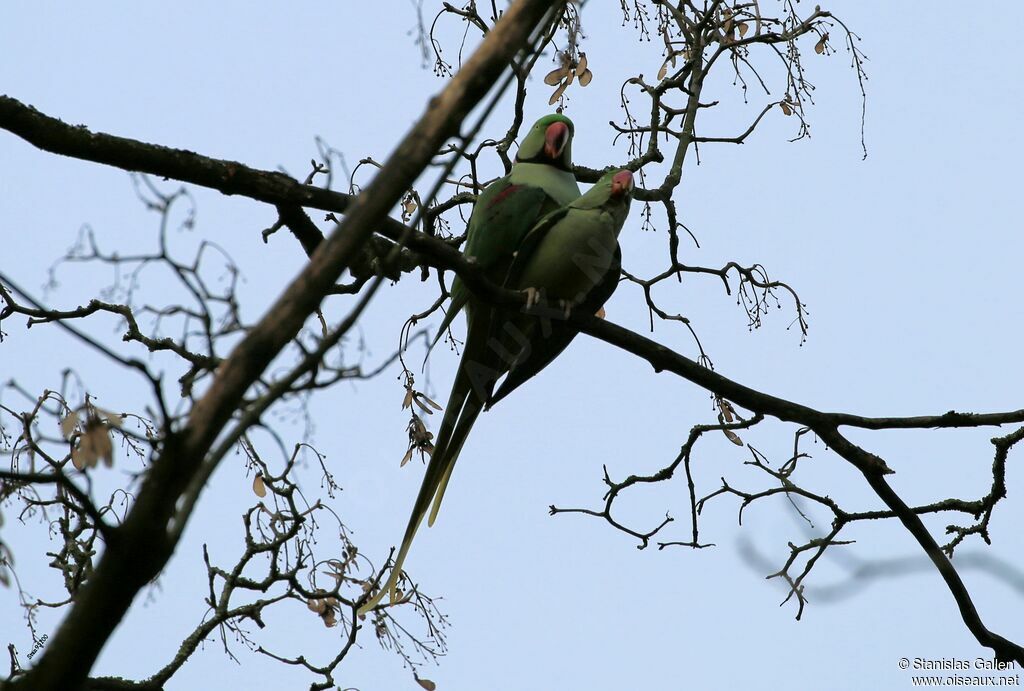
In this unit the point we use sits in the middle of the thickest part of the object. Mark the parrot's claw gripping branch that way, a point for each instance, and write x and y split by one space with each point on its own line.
532 297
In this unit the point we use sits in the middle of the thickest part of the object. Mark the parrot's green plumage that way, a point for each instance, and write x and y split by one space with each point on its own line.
540 181
571 256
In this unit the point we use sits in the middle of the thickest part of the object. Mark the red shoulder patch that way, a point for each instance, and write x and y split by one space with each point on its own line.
504 194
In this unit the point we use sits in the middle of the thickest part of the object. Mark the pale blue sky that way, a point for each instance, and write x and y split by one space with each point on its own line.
908 262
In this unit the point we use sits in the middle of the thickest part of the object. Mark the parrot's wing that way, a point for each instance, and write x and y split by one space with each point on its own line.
528 245
503 214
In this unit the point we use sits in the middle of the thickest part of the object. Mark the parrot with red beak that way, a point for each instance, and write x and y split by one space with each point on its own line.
540 181
570 259
573 256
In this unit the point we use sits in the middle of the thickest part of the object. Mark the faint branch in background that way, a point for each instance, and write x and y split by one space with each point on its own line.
863 573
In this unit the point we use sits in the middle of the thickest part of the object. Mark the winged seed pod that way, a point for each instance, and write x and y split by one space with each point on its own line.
93 441
670 60
68 425
819 47
425 683
326 609
259 487
423 401
93 444
419 439
582 71
728 412
336 570
556 75
558 93
664 66
109 418
726 415
733 437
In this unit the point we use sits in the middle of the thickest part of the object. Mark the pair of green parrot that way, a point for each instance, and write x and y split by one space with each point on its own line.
531 231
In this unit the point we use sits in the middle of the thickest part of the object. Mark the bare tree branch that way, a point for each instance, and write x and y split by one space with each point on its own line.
143 544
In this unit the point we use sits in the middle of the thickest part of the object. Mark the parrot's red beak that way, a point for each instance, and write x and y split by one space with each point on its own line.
556 138
622 183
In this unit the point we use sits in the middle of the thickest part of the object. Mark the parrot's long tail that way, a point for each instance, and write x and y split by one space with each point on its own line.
469 414
464 405
459 299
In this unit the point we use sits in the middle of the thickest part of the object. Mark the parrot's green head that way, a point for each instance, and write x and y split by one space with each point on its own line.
615 186
620 185
613 193
549 141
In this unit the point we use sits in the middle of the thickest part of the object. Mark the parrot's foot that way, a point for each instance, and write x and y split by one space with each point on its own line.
566 306
532 297
601 314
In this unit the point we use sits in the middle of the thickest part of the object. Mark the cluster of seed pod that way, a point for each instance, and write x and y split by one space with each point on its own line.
420 439
564 75
90 437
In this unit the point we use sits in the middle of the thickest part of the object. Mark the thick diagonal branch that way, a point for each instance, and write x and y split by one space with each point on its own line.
143 545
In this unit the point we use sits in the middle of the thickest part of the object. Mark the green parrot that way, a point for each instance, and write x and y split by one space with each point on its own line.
540 181
573 256
570 256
